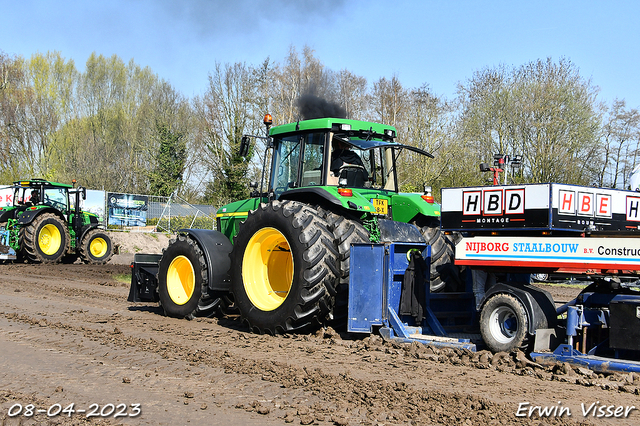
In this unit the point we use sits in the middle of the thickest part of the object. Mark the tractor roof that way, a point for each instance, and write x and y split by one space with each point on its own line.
362 134
38 182
351 128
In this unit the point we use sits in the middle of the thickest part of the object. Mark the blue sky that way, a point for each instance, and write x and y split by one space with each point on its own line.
440 43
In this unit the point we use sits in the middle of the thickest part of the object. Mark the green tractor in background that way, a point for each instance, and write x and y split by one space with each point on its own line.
282 256
46 224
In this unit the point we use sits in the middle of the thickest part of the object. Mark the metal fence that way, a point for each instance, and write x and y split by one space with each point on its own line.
168 214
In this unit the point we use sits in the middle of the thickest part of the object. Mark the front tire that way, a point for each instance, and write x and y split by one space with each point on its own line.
45 240
504 324
284 268
182 278
96 247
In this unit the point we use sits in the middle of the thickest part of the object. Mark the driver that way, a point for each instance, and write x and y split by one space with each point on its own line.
341 155
35 197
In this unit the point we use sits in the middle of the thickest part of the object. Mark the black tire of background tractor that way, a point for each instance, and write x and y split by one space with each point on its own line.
100 240
444 274
285 259
32 243
345 232
504 324
196 299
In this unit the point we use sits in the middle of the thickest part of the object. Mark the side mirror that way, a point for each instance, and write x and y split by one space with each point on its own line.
253 184
245 143
485 167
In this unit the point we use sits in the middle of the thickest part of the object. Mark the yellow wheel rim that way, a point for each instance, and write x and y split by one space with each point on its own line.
98 247
267 269
181 280
49 239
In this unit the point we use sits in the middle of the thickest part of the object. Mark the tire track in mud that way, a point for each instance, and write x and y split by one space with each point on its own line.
340 398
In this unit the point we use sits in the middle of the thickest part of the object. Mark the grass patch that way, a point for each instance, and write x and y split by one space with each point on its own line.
122 278
566 285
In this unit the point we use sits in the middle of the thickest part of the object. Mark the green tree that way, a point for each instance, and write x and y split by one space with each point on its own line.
166 177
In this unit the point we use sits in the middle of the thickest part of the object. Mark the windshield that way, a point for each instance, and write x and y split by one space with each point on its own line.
375 156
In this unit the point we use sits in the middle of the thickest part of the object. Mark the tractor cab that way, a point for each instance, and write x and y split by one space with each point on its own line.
333 152
41 193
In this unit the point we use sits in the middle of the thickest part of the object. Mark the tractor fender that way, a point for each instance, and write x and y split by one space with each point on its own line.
537 303
216 248
6 215
86 229
27 216
309 195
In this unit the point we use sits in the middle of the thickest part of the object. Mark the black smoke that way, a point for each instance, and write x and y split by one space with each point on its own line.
312 106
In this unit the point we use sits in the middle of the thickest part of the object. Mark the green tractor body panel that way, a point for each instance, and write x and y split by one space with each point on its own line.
407 207
229 216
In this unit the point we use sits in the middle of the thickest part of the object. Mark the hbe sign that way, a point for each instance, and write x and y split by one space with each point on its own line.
584 203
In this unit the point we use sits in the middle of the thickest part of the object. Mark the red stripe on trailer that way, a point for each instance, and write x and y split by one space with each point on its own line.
565 266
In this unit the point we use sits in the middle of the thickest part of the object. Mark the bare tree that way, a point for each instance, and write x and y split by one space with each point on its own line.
620 145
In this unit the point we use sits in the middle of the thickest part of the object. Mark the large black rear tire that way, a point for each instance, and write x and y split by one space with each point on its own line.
45 240
345 232
284 269
183 281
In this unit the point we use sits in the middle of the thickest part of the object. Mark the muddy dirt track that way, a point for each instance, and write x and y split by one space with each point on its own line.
68 336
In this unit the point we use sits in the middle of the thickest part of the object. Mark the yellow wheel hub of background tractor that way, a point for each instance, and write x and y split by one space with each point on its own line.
49 239
267 269
181 280
98 247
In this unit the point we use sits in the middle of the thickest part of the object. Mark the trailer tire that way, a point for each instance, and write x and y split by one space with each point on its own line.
284 268
182 279
45 240
504 324
96 247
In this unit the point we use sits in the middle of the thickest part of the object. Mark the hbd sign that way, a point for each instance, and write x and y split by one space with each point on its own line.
493 202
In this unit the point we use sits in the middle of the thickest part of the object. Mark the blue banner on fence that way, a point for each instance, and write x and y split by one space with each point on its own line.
127 209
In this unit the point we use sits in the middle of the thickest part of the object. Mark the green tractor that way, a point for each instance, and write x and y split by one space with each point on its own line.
46 224
282 256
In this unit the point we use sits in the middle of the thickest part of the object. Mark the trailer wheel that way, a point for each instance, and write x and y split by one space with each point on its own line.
182 279
504 324
444 274
284 268
96 247
45 240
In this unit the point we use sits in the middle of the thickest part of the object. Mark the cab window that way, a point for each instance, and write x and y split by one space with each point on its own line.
287 158
312 161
